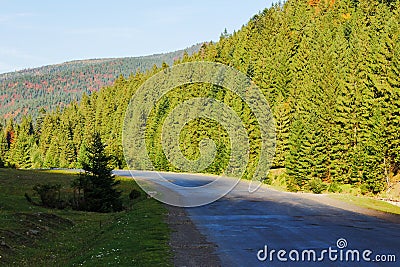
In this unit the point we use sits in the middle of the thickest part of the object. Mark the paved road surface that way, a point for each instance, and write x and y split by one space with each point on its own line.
241 224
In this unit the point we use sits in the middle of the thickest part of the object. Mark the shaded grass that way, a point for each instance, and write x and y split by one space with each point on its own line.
35 236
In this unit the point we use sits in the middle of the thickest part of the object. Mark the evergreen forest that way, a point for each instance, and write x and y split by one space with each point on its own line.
330 71
28 91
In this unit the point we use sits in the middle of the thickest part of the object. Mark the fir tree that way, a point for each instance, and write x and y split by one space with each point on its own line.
19 154
281 113
100 194
3 147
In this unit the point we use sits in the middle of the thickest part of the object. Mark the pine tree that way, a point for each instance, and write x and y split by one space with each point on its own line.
36 157
296 168
19 153
10 132
281 113
393 117
48 142
115 151
52 156
98 183
67 149
3 147
375 165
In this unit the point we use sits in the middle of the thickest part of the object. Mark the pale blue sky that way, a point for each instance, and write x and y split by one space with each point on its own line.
41 32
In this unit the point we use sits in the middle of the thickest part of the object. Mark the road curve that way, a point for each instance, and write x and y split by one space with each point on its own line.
244 225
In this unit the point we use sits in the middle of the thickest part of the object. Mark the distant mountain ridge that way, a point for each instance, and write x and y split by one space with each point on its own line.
27 91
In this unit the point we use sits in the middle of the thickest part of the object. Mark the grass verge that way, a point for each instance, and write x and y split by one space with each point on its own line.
367 202
348 194
35 236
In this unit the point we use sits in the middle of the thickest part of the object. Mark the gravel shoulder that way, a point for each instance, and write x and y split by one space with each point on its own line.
189 246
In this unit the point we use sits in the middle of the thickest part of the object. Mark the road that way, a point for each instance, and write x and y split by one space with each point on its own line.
245 225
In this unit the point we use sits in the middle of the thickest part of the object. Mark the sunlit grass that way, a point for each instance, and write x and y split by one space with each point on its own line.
348 194
367 202
36 236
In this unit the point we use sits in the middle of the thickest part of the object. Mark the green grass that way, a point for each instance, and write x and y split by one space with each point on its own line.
35 236
276 179
367 202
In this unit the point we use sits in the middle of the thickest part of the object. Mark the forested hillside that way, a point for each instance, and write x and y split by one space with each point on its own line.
27 91
329 69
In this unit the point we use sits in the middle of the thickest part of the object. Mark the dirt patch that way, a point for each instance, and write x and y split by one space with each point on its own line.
189 246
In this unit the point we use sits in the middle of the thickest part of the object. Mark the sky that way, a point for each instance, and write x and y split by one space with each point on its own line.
35 33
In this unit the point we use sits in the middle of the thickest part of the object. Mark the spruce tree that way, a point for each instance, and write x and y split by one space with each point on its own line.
19 153
281 113
296 167
100 194
3 147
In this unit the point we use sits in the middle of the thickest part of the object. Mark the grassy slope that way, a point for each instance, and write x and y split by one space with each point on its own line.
34 236
367 202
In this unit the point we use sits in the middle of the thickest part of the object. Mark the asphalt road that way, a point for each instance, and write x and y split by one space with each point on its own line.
244 225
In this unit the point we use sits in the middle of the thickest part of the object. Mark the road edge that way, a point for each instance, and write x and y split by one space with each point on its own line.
190 248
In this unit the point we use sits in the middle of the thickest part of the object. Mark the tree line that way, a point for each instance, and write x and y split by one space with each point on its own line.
329 69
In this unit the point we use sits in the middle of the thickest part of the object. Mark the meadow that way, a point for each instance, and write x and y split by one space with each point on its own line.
36 236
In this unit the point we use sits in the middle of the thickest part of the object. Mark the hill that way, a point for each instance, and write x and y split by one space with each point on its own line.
329 69
27 91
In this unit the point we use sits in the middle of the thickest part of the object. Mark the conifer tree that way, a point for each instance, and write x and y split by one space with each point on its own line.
3 146
19 153
10 132
281 113
100 194
296 167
